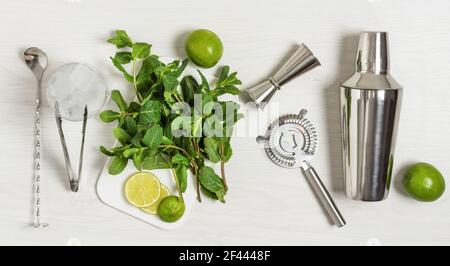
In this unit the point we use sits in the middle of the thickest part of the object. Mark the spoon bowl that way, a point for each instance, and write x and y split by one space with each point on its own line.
36 60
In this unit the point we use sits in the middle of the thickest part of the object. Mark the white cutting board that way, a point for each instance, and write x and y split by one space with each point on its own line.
111 190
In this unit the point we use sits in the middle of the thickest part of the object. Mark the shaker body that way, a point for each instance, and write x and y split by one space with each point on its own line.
369 122
370 110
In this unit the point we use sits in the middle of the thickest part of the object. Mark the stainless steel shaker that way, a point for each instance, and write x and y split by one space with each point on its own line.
370 108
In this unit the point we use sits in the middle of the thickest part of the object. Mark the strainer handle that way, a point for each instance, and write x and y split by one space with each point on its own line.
324 195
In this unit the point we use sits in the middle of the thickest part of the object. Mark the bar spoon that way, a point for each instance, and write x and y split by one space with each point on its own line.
37 61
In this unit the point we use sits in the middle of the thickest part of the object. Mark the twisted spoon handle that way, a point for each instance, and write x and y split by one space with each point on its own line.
37 160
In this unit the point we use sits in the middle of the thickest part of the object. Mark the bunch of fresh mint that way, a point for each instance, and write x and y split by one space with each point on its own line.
175 122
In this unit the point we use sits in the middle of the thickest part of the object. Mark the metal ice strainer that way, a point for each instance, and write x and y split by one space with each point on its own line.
292 142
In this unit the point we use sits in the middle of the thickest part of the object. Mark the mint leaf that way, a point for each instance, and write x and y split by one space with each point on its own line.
131 125
180 159
156 161
181 126
230 116
134 107
120 149
117 165
118 99
212 127
181 171
140 50
150 113
121 39
119 66
153 137
188 87
197 127
208 193
212 150
148 67
170 83
226 90
218 149
107 152
223 74
130 152
204 87
226 152
137 160
121 135
136 140
109 116
123 57
180 69
227 83
166 141
212 182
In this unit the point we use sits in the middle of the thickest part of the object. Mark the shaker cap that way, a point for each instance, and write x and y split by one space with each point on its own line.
373 53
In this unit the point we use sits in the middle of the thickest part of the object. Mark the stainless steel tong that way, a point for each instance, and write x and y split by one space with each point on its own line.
74 181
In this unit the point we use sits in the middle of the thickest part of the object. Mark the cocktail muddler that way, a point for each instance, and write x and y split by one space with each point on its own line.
301 61
370 109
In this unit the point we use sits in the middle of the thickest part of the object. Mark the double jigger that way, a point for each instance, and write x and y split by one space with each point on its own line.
300 62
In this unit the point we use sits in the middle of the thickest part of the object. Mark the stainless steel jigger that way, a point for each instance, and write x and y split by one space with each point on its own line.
301 61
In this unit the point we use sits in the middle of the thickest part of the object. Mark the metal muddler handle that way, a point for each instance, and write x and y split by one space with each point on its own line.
300 62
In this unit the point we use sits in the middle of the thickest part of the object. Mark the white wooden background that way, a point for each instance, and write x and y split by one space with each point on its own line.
266 205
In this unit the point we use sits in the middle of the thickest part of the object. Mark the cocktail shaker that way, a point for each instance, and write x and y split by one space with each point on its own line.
370 108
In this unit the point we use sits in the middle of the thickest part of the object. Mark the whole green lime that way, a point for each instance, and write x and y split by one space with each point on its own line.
171 209
424 182
204 48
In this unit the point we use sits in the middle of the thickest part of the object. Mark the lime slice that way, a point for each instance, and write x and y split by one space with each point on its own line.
142 189
153 209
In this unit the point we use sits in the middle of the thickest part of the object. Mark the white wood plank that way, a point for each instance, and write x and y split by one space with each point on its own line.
266 205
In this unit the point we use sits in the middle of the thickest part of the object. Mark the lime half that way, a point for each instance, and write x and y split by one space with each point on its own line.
153 209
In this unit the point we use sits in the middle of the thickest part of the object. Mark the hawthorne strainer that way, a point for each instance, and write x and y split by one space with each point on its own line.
292 142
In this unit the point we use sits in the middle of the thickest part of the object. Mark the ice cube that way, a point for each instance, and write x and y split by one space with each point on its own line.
75 86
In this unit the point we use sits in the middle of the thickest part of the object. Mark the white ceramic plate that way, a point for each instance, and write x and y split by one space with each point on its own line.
110 189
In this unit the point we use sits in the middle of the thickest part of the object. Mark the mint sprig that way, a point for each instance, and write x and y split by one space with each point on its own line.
166 127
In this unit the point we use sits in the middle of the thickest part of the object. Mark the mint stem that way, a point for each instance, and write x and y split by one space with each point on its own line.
133 68
178 184
222 168
222 171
